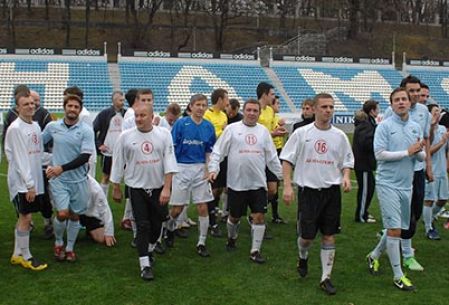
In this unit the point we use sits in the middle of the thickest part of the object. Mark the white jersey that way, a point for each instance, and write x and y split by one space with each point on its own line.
24 150
98 207
163 123
86 118
114 131
143 158
249 149
319 156
129 113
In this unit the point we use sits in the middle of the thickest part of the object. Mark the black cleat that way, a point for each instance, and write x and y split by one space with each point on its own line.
202 251
328 287
147 274
151 258
230 245
182 233
170 239
257 257
215 231
160 248
278 220
302 267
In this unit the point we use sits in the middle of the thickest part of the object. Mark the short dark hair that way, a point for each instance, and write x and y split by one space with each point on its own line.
143 92
276 97
197 97
217 94
69 97
74 90
21 88
263 88
307 102
398 89
251 101
431 106
18 94
319 96
174 109
116 92
130 96
424 86
234 103
410 80
369 105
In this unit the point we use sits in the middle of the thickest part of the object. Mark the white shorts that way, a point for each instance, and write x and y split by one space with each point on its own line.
190 182
437 190
394 207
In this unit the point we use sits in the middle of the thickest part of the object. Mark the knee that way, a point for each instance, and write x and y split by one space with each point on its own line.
97 236
203 210
62 215
328 239
233 220
74 217
175 211
258 218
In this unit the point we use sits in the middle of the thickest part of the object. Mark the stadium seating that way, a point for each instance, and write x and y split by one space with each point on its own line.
350 84
175 80
51 75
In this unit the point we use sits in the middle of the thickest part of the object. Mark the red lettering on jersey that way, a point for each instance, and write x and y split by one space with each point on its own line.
321 147
251 139
34 139
147 148
116 121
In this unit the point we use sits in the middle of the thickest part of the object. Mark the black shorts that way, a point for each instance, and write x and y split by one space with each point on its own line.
107 165
91 223
24 207
318 209
221 178
239 201
270 176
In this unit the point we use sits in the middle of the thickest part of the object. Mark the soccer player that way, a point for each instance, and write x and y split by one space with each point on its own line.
42 117
307 115
193 138
397 146
98 218
144 156
107 128
424 94
172 113
437 193
364 160
217 116
24 151
250 149
73 144
322 158
420 114
233 112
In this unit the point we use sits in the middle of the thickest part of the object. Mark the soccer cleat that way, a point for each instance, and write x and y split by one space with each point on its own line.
412 264
59 253
147 274
278 220
404 284
16 260
170 239
33 264
191 222
302 267
215 231
159 248
443 213
70 256
48 231
182 233
185 225
373 265
328 287
202 251
257 257
230 245
370 220
433 234
125 224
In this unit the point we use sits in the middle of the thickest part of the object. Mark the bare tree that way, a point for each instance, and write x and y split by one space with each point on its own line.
68 21
140 29
180 10
87 25
354 8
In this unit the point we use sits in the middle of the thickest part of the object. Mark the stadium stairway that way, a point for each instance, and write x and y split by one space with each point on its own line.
278 84
114 76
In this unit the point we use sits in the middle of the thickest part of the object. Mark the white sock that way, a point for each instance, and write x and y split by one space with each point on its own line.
182 217
134 228
380 247
224 199
303 249
144 261
427 217
393 250
105 188
17 251
327 255
407 250
233 229
257 236
23 240
127 213
59 229
159 240
202 228
73 227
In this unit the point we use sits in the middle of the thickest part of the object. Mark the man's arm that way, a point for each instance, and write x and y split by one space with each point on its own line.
288 188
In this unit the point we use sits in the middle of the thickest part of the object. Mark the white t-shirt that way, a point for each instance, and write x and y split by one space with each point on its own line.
249 149
24 150
114 131
143 158
98 207
163 123
319 156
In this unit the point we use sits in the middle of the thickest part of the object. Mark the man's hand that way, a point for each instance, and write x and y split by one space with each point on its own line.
164 197
109 241
279 131
116 193
103 148
415 147
346 184
30 195
429 173
288 194
53 171
212 177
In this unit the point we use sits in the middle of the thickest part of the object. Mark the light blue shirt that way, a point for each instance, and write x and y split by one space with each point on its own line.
395 135
68 144
421 115
439 161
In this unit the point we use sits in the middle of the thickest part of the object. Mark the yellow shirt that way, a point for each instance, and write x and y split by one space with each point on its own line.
278 140
266 118
218 118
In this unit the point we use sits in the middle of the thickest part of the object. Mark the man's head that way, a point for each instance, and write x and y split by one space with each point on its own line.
265 93
251 112
198 106
118 100
323 107
130 96
36 98
434 110
172 113
413 86
73 105
145 96
307 108
424 95
143 114
74 90
400 102
25 105
371 108
233 108
219 98
276 105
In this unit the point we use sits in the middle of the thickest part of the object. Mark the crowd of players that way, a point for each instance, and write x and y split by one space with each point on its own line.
218 152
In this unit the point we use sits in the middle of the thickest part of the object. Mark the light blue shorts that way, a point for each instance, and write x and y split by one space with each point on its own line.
437 190
394 206
69 196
